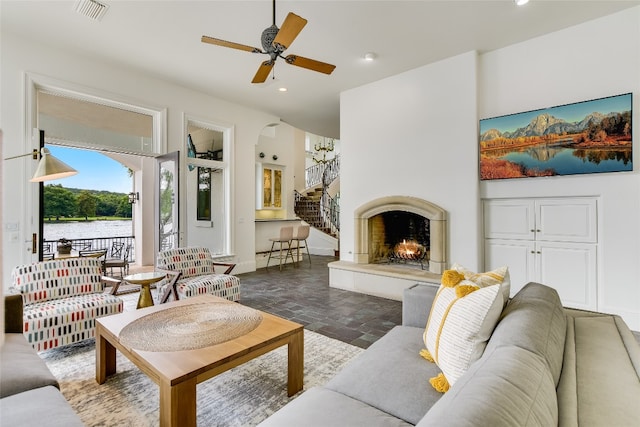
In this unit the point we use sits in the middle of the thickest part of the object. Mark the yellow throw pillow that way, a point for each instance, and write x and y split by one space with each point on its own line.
460 323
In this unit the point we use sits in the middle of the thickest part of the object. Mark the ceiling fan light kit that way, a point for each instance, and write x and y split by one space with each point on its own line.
274 42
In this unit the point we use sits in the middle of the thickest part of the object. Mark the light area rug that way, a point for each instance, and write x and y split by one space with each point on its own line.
242 396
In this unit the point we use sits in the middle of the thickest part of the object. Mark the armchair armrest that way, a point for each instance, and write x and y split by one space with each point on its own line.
13 310
173 276
416 304
115 283
230 266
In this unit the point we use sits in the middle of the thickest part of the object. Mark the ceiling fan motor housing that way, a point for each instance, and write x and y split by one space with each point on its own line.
268 35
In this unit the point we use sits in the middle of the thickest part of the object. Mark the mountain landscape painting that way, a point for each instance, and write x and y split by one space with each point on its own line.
585 137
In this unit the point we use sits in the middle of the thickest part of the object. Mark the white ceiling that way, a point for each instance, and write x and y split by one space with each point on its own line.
162 38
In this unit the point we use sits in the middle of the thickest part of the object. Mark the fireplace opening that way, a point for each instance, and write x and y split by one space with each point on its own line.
400 237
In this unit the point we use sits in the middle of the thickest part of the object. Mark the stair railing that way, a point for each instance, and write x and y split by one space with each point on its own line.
322 173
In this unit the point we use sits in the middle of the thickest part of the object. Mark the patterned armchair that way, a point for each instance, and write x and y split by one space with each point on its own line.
193 272
62 299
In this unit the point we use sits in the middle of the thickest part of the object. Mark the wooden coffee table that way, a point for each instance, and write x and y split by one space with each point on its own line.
178 372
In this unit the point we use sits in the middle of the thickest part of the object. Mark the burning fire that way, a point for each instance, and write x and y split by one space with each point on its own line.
409 250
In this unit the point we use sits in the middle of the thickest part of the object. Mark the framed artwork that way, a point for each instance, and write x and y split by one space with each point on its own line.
581 138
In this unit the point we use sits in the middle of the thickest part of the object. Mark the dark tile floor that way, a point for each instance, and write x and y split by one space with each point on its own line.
302 294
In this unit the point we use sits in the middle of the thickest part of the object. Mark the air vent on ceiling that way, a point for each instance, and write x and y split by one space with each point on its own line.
91 9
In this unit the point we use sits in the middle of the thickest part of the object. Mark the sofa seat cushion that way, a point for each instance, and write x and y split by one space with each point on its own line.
38 407
507 387
321 407
391 376
600 383
21 368
534 320
221 285
50 324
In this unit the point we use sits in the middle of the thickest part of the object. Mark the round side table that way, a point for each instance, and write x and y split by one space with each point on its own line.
145 280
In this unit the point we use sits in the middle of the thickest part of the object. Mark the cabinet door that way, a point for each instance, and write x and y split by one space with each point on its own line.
509 219
566 220
570 268
518 255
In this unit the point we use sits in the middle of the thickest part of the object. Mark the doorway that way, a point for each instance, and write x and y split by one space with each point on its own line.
87 122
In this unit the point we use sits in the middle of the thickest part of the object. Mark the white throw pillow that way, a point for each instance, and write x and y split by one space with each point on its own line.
463 316
498 276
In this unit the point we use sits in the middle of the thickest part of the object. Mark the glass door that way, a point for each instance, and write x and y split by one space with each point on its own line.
167 216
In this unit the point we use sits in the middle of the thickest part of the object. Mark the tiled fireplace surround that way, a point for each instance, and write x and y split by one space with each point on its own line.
389 280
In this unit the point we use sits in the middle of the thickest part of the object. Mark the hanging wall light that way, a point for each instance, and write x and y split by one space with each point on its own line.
49 167
133 196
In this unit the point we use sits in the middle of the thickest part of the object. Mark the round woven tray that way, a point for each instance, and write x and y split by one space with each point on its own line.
189 327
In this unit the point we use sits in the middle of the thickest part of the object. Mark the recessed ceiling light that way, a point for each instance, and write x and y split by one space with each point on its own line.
370 56
282 89
521 2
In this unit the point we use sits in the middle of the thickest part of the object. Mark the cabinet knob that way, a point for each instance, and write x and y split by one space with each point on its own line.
537 231
533 252
539 252
533 231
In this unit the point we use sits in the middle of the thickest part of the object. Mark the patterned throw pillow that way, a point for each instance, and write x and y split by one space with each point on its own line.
463 316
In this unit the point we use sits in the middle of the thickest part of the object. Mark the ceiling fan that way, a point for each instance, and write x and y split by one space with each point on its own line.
274 42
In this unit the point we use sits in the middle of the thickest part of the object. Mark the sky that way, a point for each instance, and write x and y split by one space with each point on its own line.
95 171
570 113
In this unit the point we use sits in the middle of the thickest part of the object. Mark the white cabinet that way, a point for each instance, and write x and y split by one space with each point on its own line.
551 241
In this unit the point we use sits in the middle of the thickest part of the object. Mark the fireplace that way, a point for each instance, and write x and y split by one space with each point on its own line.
401 229
399 237
422 237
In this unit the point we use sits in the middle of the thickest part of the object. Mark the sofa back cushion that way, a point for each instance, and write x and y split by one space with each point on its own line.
190 262
508 386
534 320
60 278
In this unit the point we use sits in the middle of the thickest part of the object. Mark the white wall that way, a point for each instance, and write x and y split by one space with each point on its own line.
280 141
414 134
596 59
20 56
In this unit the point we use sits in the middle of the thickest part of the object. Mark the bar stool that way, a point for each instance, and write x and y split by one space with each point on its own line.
302 234
286 234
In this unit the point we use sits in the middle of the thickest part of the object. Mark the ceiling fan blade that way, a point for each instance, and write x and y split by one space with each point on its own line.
291 27
263 72
224 43
310 64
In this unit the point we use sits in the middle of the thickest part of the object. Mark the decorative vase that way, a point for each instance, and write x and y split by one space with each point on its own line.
64 248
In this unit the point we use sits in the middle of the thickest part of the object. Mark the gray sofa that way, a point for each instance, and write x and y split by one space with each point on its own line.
29 393
544 365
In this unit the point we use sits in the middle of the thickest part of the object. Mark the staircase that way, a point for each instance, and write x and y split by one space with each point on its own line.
316 207
310 207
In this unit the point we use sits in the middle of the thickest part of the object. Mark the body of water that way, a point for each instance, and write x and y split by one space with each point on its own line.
87 229
569 161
